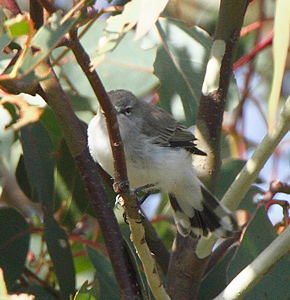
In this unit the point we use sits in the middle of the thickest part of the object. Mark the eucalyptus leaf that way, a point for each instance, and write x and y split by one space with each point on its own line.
14 243
45 40
59 249
259 234
180 64
104 274
128 66
39 162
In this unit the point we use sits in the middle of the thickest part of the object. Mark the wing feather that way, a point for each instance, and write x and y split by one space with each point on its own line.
167 132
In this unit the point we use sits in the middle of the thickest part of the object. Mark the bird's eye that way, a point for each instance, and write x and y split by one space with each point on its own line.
128 111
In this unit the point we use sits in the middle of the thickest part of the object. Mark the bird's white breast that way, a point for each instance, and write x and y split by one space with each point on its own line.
99 144
147 163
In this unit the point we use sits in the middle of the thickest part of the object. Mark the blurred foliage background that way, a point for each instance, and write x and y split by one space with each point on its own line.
166 67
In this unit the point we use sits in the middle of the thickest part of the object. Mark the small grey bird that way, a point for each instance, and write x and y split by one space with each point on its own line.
158 150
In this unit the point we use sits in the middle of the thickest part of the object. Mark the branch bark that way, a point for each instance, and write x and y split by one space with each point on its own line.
75 135
121 183
208 132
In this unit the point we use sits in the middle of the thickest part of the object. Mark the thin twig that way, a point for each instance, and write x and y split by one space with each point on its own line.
75 135
121 184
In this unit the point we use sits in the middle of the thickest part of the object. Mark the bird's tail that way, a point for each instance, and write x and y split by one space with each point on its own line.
214 218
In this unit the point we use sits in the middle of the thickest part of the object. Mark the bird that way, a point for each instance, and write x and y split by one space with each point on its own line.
158 151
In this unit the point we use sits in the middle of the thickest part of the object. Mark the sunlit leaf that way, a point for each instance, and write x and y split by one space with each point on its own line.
3 289
87 292
149 13
118 25
125 67
280 53
18 26
27 113
45 39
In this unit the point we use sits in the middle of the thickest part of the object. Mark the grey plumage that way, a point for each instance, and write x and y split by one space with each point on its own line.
158 151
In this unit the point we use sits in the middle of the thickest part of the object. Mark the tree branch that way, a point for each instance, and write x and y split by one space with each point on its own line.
256 270
75 135
185 270
209 124
36 13
121 183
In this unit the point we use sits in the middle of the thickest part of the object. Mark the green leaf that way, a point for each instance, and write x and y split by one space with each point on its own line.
4 57
135 260
125 67
60 252
39 162
69 184
280 53
14 243
258 236
230 169
119 25
22 178
217 279
82 262
6 134
17 26
45 40
180 66
149 13
104 274
48 119
41 292
88 293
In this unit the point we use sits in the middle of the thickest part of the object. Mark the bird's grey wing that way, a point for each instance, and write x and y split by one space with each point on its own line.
167 132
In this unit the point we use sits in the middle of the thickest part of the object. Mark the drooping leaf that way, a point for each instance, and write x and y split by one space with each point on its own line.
87 292
128 66
104 274
280 53
258 236
39 162
48 119
22 177
180 65
14 243
149 13
45 39
60 252
217 279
